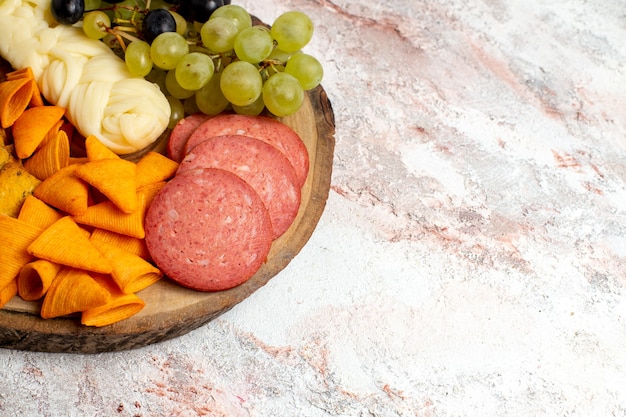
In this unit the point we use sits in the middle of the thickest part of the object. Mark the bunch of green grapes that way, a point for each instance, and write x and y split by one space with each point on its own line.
223 62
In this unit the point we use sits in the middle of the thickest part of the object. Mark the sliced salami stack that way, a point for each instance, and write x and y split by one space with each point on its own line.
237 189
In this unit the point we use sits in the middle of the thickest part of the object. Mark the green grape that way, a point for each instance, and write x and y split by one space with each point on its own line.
181 23
254 44
194 70
138 59
253 109
157 76
95 24
241 83
177 113
219 34
167 49
210 99
282 94
129 9
175 89
292 31
238 14
307 69
190 104
92 4
280 55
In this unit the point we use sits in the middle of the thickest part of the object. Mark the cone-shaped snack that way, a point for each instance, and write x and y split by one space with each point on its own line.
155 167
64 242
97 150
14 98
120 306
64 191
36 212
31 128
7 292
51 157
72 291
115 178
35 279
130 272
16 236
128 243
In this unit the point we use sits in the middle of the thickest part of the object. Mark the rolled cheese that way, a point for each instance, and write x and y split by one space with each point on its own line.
84 76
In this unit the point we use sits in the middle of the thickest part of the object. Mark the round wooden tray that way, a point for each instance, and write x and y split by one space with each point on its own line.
171 310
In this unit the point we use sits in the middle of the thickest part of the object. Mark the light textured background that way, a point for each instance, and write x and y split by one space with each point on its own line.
471 258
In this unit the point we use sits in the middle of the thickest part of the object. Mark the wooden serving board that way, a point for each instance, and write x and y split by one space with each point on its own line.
172 310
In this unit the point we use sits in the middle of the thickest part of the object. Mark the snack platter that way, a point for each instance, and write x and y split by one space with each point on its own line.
172 310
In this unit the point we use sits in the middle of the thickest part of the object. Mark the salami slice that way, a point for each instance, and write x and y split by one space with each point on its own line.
208 230
181 133
263 128
261 165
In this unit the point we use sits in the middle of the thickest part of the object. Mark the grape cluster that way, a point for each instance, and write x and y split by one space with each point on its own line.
206 55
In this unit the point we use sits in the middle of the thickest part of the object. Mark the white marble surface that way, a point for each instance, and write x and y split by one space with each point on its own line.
471 260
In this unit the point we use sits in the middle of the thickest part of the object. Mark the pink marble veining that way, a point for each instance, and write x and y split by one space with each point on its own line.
471 260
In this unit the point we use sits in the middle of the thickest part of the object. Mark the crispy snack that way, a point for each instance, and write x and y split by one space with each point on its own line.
5 154
130 272
16 236
128 243
7 292
51 157
35 278
36 212
64 242
15 185
31 128
72 291
154 167
120 306
27 73
115 178
97 150
15 95
64 191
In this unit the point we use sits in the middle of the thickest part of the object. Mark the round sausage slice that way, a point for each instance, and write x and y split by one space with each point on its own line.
261 165
208 230
263 128
181 133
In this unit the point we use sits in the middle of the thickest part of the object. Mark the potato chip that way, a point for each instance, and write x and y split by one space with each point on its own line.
15 96
35 278
7 292
130 272
115 178
36 212
72 291
51 157
120 307
64 242
31 128
15 185
64 191
15 235
97 150
154 167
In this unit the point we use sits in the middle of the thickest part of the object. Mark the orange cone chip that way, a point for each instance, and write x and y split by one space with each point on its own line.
7 292
36 212
97 150
130 272
15 236
120 307
107 216
64 242
64 191
128 243
154 167
14 98
27 73
51 157
115 178
72 291
31 128
35 279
